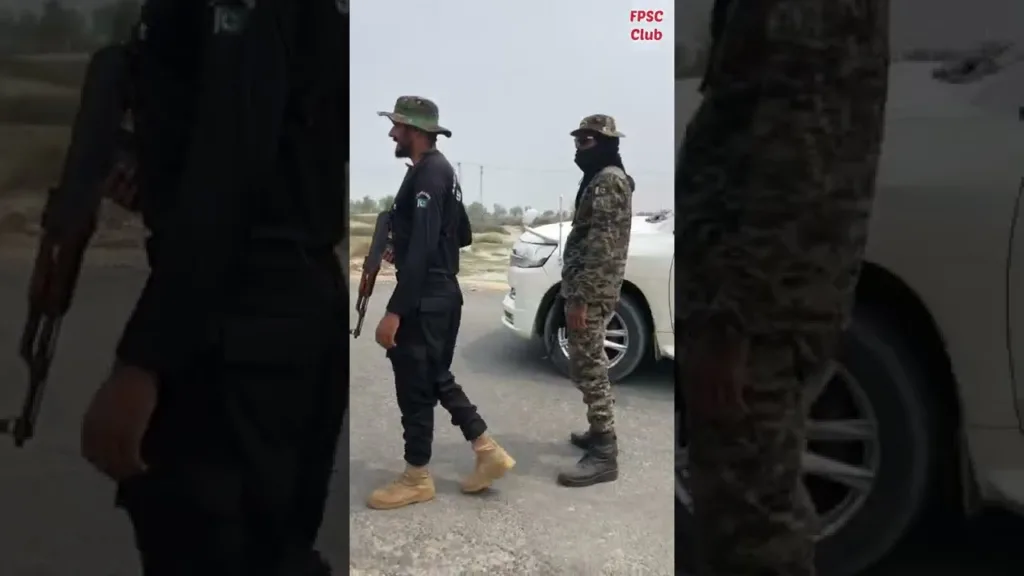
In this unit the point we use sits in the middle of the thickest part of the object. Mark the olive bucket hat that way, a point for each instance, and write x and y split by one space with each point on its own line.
599 123
417 112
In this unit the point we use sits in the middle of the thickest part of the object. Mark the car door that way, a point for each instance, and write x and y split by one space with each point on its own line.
1003 94
672 293
1015 297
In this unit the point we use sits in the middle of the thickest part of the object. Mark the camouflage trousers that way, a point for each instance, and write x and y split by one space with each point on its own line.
745 409
588 366
774 193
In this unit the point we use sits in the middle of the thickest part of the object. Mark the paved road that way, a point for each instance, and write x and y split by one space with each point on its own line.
56 517
528 524
56 514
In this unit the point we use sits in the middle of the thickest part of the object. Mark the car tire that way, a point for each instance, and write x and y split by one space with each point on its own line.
635 323
893 377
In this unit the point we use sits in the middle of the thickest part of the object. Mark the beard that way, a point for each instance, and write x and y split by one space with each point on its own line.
401 151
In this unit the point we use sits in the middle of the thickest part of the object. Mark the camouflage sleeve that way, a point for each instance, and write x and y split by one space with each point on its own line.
570 261
601 257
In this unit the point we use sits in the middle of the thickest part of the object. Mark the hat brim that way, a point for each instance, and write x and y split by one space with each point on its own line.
403 119
579 131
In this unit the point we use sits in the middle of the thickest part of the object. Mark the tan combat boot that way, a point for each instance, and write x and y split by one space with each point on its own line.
492 462
414 486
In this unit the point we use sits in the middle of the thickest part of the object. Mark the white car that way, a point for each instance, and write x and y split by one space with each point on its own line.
641 327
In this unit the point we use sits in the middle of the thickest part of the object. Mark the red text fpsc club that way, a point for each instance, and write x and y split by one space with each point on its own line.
646 34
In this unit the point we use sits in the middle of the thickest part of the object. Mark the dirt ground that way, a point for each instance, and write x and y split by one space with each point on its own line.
483 265
119 242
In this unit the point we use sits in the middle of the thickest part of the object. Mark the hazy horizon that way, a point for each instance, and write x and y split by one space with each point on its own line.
511 83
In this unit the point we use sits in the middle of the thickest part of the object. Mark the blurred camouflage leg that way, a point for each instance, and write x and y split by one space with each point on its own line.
744 400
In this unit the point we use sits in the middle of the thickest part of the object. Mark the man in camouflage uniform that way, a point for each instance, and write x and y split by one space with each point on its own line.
594 261
774 190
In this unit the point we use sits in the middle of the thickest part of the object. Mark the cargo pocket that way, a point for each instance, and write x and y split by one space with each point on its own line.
274 373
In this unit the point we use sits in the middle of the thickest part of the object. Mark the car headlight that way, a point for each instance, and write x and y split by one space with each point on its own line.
530 255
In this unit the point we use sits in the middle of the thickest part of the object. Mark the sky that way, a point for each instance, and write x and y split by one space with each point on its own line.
952 24
512 79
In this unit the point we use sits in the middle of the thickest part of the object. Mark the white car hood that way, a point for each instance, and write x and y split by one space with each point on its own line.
548 233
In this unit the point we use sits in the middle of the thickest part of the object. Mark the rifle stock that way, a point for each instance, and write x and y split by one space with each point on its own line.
371 266
69 220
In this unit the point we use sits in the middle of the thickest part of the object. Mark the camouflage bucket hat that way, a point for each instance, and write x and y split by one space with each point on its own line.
600 123
418 113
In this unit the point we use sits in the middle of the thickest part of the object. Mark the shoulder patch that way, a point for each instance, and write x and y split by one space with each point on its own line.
422 198
231 18
608 180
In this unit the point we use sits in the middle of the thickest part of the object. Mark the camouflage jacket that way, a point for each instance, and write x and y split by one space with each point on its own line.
594 260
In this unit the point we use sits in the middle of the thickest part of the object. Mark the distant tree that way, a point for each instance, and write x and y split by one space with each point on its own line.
18 31
499 211
60 29
385 203
477 212
516 212
367 205
113 22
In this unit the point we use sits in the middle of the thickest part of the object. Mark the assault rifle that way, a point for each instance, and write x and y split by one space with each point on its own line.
69 221
371 266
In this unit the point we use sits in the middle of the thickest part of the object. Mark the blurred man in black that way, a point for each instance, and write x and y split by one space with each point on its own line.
428 226
221 416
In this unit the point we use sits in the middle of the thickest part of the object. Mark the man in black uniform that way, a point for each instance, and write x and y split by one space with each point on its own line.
428 226
222 413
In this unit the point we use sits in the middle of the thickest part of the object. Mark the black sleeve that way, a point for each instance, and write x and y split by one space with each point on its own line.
240 108
428 215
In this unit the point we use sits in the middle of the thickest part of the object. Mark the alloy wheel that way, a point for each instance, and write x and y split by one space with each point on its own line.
616 340
842 456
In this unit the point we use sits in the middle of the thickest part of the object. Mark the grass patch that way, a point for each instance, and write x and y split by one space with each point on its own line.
490 238
360 229
370 219
358 247
39 109
64 71
489 228
14 223
30 156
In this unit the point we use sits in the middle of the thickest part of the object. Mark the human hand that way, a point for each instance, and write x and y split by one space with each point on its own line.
387 329
121 185
576 316
117 420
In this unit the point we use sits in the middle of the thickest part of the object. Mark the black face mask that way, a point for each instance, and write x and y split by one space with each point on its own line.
592 160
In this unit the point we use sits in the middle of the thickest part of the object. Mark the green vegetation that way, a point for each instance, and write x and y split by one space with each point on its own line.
497 220
59 27
491 238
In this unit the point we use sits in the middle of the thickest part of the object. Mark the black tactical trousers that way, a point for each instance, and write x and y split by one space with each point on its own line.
241 447
422 361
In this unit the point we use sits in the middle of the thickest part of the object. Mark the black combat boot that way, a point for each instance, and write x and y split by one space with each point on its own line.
583 440
599 464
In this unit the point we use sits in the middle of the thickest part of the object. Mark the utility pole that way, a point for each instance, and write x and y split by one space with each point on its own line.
481 184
